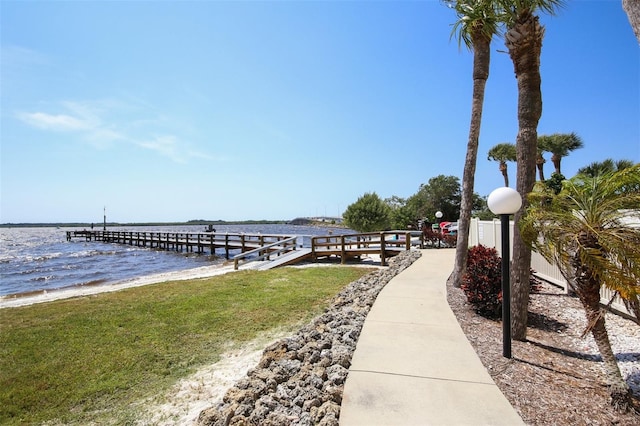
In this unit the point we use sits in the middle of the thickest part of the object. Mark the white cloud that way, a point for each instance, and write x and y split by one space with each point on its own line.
165 145
171 147
98 123
58 122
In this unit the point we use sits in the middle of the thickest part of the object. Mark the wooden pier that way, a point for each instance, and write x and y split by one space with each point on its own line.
277 249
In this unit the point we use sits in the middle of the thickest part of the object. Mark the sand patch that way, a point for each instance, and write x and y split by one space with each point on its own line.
184 402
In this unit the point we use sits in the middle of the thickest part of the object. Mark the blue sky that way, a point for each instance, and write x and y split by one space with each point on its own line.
172 111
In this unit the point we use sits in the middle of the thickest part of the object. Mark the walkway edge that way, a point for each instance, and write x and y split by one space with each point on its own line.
413 364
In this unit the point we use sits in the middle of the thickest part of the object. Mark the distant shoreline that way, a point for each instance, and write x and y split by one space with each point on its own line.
309 222
117 224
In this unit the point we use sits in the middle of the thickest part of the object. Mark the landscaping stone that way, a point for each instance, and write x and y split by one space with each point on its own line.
300 379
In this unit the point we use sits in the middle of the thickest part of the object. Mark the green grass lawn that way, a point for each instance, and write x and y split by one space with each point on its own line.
91 359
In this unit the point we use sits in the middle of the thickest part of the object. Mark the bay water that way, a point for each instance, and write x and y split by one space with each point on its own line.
33 260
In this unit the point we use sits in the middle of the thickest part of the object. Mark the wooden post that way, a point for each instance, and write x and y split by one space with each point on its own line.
407 241
383 259
343 250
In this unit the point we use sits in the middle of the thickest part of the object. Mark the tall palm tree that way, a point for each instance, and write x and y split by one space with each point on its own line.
523 39
582 230
502 153
475 27
559 145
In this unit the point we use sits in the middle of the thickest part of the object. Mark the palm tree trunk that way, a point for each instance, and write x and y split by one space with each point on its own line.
540 165
632 9
555 159
481 60
505 174
589 293
525 46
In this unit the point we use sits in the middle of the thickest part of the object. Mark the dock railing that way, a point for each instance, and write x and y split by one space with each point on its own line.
385 244
265 252
262 246
182 241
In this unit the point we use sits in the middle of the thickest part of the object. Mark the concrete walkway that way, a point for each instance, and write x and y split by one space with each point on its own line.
413 365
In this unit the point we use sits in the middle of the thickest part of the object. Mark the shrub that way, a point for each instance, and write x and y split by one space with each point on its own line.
481 282
368 214
450 240
432 237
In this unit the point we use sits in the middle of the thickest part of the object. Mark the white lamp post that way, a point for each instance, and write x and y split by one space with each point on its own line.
505 201
438 217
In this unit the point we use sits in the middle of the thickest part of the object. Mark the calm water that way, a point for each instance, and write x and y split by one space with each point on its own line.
36 259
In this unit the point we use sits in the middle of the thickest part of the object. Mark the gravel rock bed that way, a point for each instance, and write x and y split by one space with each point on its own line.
300 379
555 377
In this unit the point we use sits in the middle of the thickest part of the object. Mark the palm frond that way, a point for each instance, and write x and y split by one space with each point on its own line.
600 208
476 18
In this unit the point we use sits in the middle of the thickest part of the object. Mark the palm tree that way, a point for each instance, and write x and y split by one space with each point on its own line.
632 9
607 166
582 230
475 27
523 39
559 145
502 153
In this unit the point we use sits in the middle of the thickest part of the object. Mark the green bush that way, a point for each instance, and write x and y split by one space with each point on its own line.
368 214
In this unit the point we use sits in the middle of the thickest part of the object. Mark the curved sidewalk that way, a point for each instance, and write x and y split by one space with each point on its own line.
413 365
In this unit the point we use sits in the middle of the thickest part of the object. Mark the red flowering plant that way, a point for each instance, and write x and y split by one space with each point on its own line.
482 283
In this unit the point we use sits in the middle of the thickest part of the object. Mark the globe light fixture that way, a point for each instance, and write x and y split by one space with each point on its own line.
438 219
505 201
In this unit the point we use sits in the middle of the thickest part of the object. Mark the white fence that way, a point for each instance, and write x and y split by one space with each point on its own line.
488 233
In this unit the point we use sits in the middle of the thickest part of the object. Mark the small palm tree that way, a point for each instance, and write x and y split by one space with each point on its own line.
559 145
583 231
502 153
606 166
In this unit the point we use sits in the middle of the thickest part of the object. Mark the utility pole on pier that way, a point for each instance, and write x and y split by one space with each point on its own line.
104 227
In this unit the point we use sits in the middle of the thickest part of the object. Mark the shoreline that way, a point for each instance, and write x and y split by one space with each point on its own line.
12 301
26 299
